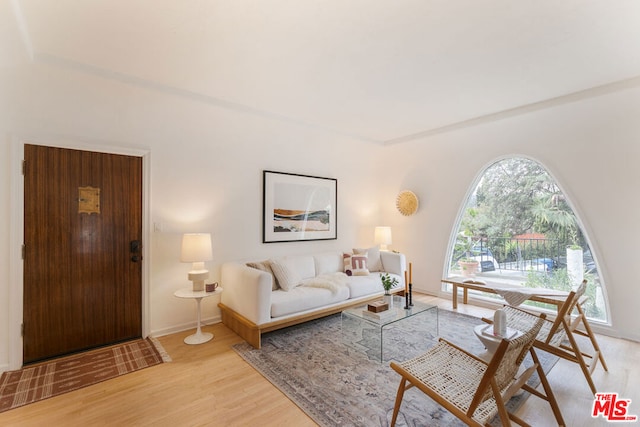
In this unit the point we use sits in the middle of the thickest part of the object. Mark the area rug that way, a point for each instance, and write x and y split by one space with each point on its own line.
58 376
337 385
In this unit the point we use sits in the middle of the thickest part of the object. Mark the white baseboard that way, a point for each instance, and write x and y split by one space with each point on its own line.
185 326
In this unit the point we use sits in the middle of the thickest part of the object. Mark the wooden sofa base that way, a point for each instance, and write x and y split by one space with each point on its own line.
252 333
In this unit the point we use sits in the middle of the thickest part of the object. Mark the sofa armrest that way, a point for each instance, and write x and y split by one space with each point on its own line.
247 291
394 262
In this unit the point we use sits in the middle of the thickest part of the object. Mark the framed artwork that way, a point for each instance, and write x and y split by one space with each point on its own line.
298 207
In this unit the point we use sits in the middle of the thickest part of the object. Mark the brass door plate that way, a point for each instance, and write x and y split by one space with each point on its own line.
88 200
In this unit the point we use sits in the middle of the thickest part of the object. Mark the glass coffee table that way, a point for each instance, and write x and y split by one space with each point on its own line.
399 335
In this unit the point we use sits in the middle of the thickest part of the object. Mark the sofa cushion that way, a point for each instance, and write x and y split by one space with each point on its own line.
291 270
304 298
355 264
365 285
332 281
266 267
329 262
374 263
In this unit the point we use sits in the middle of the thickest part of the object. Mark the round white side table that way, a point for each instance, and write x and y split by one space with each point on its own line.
199 337
490 342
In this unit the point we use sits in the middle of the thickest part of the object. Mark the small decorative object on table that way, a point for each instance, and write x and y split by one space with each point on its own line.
500 323
410 285
388 282
377 306
406 291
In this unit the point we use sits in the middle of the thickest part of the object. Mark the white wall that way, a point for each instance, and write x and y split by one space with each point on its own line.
591 147
206 173
206 165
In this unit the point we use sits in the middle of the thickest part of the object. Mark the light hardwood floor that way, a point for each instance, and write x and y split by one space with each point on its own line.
210 385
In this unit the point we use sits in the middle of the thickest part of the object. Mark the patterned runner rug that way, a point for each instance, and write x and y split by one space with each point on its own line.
58 376
336 384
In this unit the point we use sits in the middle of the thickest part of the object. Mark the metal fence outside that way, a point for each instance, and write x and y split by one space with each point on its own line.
522 254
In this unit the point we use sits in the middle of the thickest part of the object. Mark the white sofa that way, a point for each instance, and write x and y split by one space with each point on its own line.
262 296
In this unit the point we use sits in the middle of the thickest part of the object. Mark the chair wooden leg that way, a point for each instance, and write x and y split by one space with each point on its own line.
401 388
518 421
592 338
580 359
548 392
502 410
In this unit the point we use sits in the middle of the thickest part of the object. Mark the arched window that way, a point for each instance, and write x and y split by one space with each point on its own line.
518 227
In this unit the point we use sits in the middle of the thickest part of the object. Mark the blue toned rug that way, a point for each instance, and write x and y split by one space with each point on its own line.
336 384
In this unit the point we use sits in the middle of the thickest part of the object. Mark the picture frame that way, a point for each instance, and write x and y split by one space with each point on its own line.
298 207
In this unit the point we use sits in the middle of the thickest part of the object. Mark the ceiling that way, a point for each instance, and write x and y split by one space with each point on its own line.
378 70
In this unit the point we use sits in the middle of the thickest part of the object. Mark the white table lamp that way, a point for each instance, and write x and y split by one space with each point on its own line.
196 248
383 237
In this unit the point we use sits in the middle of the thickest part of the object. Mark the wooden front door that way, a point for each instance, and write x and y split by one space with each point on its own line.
82 257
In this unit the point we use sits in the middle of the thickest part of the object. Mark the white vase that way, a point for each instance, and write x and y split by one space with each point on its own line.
388 298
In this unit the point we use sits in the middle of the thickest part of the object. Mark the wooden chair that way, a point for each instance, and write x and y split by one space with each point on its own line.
469 387
558 337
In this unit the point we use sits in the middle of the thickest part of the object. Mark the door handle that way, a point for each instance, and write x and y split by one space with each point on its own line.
135 247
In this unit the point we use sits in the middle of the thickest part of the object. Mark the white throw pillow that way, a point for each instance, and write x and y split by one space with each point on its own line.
329 262
355 264
374 262
285 272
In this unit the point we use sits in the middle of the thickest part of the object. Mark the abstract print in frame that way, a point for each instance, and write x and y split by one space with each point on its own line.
298 207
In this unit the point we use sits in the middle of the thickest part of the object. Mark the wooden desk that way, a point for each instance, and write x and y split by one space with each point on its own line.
548 296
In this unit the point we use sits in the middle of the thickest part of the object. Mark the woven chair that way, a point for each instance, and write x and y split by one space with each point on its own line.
469 387
558 336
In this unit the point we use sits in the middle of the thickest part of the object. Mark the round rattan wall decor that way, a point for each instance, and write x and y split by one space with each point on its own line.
407 202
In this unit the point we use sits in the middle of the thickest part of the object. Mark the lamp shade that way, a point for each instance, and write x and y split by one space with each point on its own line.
383 236
196 247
